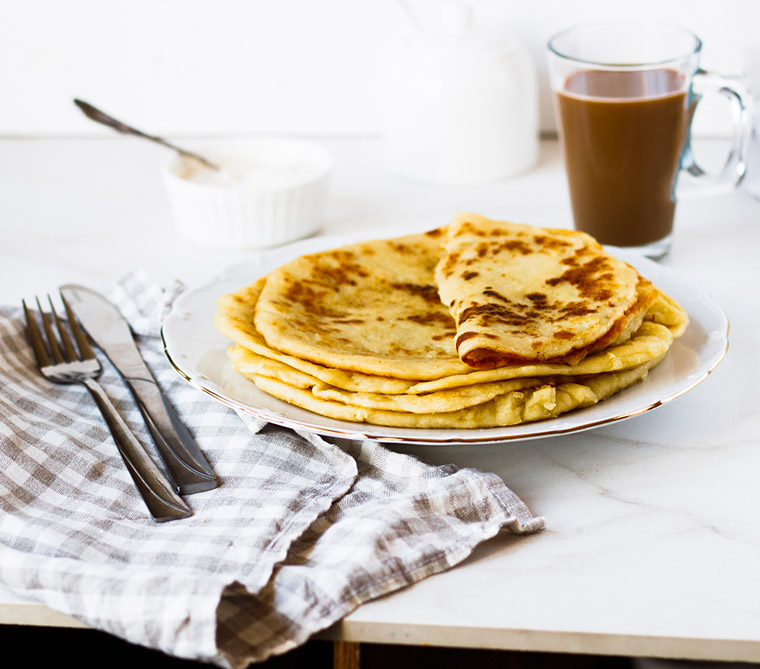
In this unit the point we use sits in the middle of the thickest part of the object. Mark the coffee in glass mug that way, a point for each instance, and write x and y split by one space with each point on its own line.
625 95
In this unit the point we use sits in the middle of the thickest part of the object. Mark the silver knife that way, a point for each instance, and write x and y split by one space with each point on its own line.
111 333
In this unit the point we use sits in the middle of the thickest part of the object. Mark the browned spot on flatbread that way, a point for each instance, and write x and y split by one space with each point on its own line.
586 279
438 318
310 298
539 300
564 334
576 309
490 292
429 293
550 242
335 270
496 313
451 261
515 245
464 337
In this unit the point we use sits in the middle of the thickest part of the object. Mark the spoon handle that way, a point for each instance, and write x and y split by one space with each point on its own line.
101 117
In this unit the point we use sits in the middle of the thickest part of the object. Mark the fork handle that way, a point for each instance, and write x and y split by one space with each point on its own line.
158 492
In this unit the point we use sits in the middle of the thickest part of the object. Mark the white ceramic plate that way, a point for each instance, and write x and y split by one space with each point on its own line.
198 352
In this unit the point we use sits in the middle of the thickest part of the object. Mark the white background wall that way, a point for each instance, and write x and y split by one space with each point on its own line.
308 67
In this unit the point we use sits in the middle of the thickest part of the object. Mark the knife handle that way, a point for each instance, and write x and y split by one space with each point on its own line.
155 488
174 443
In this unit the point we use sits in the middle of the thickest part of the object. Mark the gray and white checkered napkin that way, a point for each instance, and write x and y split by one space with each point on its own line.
299 534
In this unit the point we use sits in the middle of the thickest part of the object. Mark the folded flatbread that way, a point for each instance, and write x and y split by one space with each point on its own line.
522 294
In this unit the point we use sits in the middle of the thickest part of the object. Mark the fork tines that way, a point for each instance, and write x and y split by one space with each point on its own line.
36 338
85 350
65 351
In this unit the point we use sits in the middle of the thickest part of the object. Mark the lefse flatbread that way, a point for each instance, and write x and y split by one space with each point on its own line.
522 294
359 334
370 307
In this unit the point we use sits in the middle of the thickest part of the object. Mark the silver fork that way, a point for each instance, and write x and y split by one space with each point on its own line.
64 363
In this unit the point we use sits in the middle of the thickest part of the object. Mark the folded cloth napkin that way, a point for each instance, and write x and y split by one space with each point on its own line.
300 532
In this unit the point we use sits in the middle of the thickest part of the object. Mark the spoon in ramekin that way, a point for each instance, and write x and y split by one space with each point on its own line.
98 116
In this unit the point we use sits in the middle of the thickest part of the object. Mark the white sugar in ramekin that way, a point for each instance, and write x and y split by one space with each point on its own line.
270 192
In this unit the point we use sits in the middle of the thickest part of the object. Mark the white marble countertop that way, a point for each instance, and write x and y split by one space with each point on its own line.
652 546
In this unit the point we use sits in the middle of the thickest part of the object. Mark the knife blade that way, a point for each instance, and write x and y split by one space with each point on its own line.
111 333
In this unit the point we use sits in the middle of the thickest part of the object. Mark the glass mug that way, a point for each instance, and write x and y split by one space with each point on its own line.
625 95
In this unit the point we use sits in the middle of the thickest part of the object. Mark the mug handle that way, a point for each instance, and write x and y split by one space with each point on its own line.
693 180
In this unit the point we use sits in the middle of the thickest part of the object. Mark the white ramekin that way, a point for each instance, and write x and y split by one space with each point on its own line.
244 214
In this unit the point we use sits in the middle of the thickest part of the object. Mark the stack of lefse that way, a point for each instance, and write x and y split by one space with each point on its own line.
472 325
